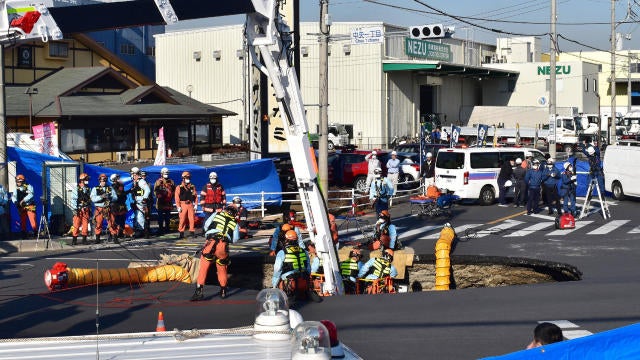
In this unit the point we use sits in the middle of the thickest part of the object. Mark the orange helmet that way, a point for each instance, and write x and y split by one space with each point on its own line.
20 177
355 253
286 227
84 176
102 177
388 254
291 235
186 174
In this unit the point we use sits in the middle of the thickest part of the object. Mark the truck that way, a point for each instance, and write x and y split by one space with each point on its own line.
337 136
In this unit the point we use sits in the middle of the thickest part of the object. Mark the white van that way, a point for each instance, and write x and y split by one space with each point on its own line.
472 173
621 172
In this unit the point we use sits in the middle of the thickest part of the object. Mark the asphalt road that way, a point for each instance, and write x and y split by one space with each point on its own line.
458 324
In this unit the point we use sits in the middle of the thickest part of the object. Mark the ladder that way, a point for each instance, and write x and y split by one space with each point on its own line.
604 207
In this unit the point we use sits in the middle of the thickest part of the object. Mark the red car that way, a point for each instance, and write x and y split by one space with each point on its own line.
351 168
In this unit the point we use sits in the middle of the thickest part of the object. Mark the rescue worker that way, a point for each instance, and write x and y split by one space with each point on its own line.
316 266
222 230
568 185
164 189
550 183
349 270
429 171
148 201
185 198
380 192
278 240
241 218
102 196
118 208
333 227
140 193
291 269
82 212
595 167
393 171
378 268
26 203
4 213
373 163
213 198
386 235
520 186
533 179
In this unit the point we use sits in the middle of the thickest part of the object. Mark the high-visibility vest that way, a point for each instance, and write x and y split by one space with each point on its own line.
225 223
381 268
349 268
294 259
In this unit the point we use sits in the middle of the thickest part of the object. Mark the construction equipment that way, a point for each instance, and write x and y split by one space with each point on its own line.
604 207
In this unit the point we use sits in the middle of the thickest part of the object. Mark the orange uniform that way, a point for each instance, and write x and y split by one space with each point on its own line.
185 198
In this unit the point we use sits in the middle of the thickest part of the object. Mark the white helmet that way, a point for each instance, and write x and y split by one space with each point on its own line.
429 154
550 161
566 165
213 175
394 152
113 177
135 170
374 152
591 150
237 200
518 161
164 170
528 154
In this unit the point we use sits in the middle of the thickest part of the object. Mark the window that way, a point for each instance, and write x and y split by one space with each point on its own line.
127 49
202 134
59 49
109 139
450 160
506 156
183 137
511 85
634 67
484 160
72 140
586 85
150 51
595 85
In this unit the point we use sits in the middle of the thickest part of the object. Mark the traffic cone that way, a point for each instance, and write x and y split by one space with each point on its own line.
160 326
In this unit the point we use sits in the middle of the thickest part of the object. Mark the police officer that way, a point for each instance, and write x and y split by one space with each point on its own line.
380 191
213 198
378 268
520 186
595 167
550 183
164 189
102 196
292 269
82 201
568 189
533 178
26 204
140 194
221 230
185 198
118 208
349 270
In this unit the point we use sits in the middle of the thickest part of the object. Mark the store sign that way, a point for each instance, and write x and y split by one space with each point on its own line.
560 69
25 56
427 49
368 35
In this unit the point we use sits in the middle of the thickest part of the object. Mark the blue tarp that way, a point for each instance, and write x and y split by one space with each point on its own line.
250 177
621 343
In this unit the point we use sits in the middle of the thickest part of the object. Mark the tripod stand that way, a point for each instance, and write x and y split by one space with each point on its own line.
604 207
43 225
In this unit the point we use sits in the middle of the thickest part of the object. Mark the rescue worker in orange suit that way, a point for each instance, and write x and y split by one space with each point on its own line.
102 196
164 189
292 269
349 270
82 201
278 240
185 197
333 227
26 204
386 235
376 269
241 218
118 208
221 230
213 198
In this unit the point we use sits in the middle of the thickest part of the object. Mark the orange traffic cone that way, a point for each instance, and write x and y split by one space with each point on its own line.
160 326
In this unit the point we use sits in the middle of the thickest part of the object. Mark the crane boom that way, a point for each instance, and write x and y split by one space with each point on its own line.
269 39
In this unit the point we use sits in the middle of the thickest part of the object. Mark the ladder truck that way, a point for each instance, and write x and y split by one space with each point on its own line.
269 38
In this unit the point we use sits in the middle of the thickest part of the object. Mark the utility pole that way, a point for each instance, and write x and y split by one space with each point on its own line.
612 79
323 145
4 161
629 81
552 82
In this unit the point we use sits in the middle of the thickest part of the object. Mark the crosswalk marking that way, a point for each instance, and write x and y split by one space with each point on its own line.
575 333
608 227
421 230
579 224
635 230
541 216
498 228
531 229
459 230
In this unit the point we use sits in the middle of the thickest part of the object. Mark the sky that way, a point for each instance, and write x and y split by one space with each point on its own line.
581 24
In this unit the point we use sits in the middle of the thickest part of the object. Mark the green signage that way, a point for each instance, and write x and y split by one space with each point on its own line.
427 49
560 69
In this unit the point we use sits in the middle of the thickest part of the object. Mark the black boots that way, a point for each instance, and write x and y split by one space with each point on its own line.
97 238
181 235
74 241
193 234
223 292
84 239
198 295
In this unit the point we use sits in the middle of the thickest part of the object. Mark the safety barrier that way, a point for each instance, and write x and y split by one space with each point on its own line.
443 257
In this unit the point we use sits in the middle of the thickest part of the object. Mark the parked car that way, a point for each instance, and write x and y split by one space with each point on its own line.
349 168
409 177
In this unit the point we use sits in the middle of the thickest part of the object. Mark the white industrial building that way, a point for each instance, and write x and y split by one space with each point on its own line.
381 81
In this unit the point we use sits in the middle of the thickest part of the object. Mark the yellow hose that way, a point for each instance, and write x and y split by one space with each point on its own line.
128 275
443 261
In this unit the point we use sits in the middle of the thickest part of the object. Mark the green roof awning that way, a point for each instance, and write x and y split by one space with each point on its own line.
441 69
386 67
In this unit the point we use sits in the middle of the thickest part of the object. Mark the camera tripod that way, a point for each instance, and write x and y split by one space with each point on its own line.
43 226
604 207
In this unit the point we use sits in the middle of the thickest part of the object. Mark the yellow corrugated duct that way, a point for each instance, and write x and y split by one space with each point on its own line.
129 275
443 261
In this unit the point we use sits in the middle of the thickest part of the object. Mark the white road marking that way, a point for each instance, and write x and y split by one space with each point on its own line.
459 230
417 231
541 216
531 229
562 324
561 232
569 334
635 230
574 334
608 227
498 228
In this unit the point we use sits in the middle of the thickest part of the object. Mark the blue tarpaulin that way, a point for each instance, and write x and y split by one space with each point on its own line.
621 343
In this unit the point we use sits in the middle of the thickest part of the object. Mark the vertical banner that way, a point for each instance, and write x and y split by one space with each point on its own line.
45 136
161 155
482 135
518 134
455 136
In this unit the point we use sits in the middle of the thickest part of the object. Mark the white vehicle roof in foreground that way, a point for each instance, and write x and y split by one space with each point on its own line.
236 343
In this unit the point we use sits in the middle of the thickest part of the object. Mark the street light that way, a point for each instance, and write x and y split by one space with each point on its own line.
30 92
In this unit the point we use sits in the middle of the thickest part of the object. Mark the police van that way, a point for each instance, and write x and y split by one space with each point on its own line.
620 172
472 173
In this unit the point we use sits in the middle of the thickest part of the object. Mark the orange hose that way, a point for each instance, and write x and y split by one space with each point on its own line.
443 261
128 275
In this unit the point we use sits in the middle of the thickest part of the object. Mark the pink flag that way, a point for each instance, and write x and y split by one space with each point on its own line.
161 155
